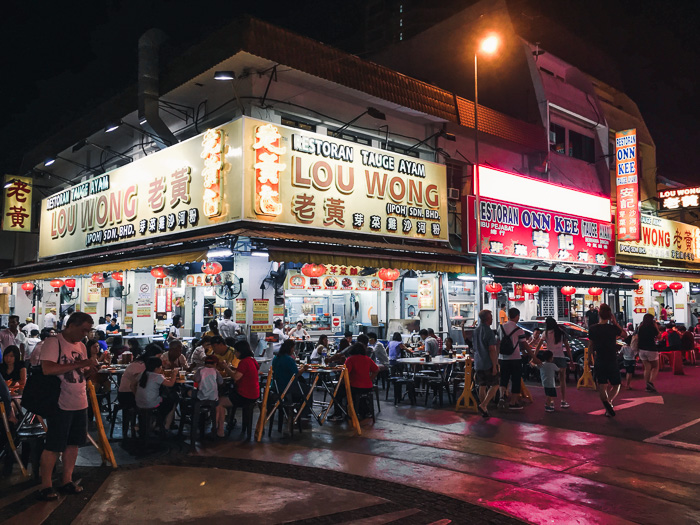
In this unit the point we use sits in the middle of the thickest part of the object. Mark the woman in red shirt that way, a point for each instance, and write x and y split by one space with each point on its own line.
247 389
361 371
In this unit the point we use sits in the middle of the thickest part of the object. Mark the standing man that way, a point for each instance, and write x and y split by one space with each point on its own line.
31 325
502 315
65 356
13 336
228 327
50 319
592 316
485 361
511 363
603 344
663 313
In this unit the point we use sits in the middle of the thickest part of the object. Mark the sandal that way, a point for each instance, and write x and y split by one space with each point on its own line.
71 488
47 494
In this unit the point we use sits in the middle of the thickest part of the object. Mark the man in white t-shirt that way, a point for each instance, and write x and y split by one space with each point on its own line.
227 327
65 356
50 319
511 365
31 325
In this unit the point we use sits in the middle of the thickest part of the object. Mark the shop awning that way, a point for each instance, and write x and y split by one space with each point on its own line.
303 248
561 274
110 265
683 277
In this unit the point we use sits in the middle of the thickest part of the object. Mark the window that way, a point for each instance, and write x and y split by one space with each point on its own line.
581 147
557 138
297 124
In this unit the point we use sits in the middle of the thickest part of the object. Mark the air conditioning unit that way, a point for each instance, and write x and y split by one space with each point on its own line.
453 194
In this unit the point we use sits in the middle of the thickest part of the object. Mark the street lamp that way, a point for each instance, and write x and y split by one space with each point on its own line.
488 46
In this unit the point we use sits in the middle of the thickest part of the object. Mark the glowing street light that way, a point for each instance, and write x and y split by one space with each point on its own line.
489 46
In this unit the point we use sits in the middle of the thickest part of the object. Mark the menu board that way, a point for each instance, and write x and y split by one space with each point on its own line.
297 281
92 294
261 311
241 311
426 293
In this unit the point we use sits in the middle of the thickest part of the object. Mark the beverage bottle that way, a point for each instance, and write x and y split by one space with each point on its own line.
324 353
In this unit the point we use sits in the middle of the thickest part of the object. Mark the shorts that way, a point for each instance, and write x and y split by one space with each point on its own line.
561 362
486 378
607 374
648 355
66 428
511 371
630 366
550 391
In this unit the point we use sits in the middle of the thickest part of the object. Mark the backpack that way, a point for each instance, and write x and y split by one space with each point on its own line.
506 346
674 340
41 391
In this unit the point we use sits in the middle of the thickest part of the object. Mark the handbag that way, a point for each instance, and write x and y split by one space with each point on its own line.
634 343
41 391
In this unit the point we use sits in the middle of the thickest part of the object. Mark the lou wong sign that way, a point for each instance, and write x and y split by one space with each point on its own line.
316 181
527 232
187 186
664 239
627 179
17 206
679 198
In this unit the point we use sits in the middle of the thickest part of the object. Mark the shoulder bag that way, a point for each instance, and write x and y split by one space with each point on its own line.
41 392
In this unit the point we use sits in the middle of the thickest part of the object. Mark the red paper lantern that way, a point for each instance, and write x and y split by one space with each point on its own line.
27 287
675 286
159 272
389 274
70 283
118 276
313 270
595 292
98 277
531 289
660 286
568 291
493 289
212 268
56 283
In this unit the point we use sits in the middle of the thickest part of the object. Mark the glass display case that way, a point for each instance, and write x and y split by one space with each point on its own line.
314 310
462 303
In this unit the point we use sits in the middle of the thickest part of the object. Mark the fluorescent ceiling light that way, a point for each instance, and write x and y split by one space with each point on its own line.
258 253
219 253
224 75
49 161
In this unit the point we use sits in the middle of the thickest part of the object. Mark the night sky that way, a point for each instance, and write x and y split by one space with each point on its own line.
58 61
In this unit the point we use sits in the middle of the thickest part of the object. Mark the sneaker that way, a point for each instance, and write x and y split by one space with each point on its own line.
609 411
564 404
502 403
650 387
335 418
549 408
515 407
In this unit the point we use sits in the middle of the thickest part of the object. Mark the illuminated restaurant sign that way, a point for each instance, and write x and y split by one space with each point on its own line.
664 239
681 198
342 278
310 180
627 179
250 169
17 209
515 230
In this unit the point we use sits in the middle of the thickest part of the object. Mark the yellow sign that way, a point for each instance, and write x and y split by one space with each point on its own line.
17 210
261 328
311 180
278 310
90 308
672 241
143 311
426 293
161 194
241 311
261 311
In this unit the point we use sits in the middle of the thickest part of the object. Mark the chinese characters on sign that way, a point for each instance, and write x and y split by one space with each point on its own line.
626 175
664 239
680 198
321 182
17 210
267 170
514 230
214 151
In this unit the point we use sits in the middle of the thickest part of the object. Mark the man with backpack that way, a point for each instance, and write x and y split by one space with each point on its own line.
513 341
671 337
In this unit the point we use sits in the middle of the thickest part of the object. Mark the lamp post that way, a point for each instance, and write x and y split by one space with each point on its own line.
489 46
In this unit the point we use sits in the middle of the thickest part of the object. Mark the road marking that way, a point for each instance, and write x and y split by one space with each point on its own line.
658 439
658 400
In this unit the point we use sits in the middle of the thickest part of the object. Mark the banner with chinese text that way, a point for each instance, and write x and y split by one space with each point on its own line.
514 230
17 208
670 241
317 181
627 179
